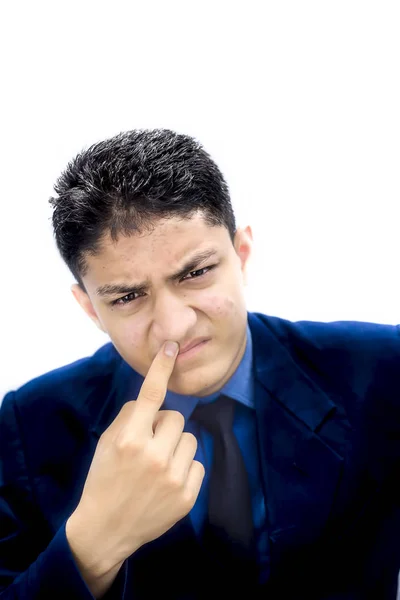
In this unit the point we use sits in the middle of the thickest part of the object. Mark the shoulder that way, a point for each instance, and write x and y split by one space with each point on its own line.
349 354
339 336
48 420
72 384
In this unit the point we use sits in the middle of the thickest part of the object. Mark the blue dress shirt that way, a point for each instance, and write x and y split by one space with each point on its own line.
240 387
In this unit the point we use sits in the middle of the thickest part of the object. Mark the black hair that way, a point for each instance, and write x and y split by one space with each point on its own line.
124 184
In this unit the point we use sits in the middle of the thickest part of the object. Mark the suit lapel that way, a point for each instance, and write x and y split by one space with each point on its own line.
300 466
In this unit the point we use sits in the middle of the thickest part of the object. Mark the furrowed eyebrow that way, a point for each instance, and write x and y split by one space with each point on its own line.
124 289
120 290
192 263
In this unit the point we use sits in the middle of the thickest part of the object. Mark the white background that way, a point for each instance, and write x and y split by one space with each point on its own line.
297 101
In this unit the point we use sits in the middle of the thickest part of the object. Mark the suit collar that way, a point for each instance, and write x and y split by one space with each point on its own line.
285 381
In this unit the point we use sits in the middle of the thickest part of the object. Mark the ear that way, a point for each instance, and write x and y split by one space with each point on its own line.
243 242
83 299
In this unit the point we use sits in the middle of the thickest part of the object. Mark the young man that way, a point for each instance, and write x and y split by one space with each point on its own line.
206 450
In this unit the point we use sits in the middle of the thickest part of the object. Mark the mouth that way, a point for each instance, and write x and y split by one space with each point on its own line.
192 350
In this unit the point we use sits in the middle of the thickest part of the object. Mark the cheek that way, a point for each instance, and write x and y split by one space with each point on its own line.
127 335
220 307
131 342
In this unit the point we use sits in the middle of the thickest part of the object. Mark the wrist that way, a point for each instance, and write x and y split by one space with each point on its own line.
92 555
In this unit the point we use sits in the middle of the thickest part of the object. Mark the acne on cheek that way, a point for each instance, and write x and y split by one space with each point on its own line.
220 307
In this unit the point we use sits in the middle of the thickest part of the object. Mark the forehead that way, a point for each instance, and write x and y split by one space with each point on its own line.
165 247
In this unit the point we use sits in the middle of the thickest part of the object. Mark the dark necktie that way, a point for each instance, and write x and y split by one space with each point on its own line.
229 533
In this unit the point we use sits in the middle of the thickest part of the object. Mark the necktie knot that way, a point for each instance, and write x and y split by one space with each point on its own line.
216 417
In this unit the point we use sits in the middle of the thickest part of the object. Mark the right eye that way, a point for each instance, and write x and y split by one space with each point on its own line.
126 299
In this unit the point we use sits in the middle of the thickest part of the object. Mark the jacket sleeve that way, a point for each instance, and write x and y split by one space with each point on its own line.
33 566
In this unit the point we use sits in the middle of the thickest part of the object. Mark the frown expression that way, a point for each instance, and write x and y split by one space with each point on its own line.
184 281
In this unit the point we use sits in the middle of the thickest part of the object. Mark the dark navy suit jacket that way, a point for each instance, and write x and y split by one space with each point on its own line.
328 412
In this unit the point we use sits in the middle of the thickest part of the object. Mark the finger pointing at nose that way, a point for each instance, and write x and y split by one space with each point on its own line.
154 387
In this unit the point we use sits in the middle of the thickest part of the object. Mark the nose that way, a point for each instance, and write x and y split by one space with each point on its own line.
173 318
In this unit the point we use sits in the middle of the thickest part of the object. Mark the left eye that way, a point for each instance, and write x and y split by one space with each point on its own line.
198 273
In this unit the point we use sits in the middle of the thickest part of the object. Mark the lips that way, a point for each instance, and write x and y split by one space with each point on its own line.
192 344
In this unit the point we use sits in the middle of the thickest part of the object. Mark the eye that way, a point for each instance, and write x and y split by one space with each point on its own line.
197 274
126 299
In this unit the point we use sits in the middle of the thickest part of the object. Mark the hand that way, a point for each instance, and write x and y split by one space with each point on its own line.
142 479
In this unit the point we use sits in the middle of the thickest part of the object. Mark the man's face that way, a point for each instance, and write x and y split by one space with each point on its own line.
183 281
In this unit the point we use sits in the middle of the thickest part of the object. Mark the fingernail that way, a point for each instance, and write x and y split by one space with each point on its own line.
171 348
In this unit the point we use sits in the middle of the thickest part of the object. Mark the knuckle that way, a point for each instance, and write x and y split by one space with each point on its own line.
190 493
200 468
157 462
178 418
175 483
188 500
190 439
125 444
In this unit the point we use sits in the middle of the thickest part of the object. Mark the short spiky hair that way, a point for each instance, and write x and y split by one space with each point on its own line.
122 185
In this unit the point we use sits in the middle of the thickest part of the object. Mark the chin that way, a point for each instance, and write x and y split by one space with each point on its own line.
202 385
186 389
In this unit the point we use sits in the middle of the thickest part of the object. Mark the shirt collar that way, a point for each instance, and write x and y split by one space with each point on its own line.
239 387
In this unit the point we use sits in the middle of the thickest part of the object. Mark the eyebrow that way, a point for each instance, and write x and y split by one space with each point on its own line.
125 288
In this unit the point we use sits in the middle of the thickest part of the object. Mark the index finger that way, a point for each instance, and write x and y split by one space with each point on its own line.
154 386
